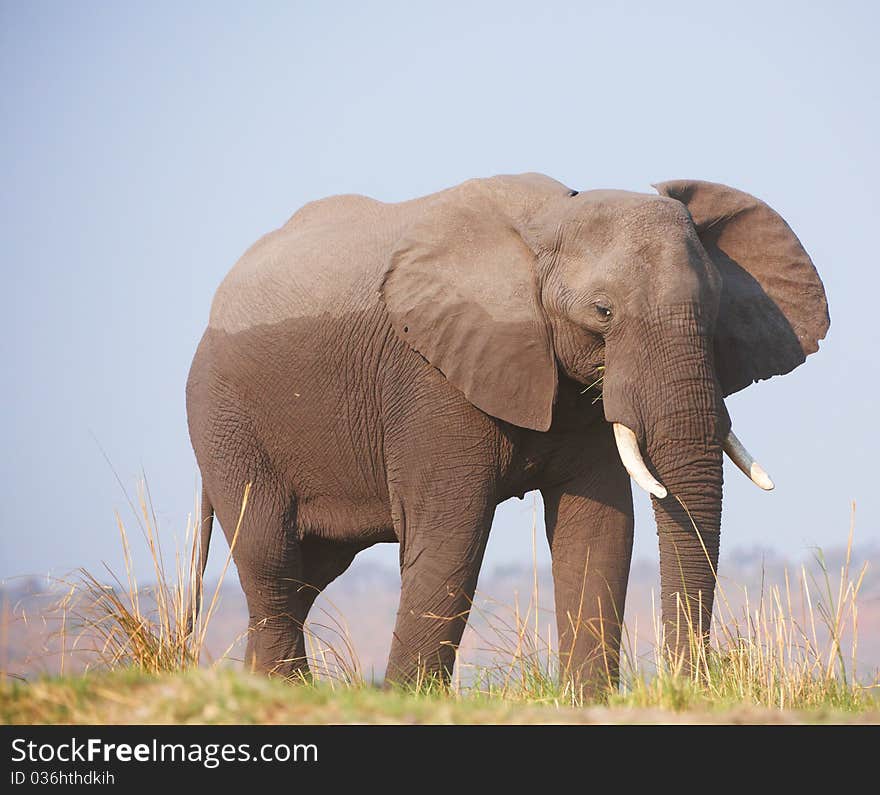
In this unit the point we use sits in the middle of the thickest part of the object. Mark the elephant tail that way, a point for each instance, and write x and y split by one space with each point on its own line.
205 526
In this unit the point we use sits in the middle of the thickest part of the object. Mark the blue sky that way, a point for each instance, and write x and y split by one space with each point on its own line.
144 146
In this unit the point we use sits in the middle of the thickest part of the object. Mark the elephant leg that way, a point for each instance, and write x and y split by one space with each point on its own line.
322 562
442 545
589 522
269 561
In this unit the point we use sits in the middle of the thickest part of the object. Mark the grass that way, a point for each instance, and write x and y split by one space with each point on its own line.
224 695
789 656
157 630
795 648
597 384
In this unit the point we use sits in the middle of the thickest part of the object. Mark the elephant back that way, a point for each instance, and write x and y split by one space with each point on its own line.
328 258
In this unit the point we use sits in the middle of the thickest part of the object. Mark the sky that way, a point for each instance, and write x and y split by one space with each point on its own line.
145 146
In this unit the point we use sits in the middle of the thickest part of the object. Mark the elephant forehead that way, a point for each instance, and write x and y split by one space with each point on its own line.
618 214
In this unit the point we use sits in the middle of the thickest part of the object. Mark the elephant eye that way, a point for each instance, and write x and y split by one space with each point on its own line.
603 311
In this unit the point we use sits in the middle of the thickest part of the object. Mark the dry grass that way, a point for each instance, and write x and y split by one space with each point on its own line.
160 629
793 650
114 623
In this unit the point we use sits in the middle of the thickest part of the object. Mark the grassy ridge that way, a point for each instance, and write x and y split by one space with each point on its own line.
789 656
227 696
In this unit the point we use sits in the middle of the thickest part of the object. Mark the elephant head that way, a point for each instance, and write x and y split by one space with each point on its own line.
677 300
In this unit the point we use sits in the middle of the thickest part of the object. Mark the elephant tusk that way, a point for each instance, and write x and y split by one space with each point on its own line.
628 448
743 459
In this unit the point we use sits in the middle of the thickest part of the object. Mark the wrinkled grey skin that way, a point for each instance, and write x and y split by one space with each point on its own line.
391 372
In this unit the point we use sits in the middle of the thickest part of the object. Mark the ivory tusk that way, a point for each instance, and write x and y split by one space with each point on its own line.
628 448
743 459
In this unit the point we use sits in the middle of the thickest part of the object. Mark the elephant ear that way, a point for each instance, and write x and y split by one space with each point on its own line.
773 309
461 289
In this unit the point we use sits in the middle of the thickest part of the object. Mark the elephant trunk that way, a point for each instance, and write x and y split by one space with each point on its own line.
674 406
689 531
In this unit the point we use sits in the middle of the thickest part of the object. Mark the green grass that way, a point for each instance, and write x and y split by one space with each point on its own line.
232 696
789 656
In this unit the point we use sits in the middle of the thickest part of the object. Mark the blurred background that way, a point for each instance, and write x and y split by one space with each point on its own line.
144 147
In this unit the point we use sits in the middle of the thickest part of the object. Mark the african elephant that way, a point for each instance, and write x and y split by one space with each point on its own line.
392 372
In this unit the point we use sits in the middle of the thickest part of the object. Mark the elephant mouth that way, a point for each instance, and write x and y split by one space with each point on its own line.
631 458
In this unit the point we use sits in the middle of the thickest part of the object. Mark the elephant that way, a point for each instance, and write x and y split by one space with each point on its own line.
390 372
